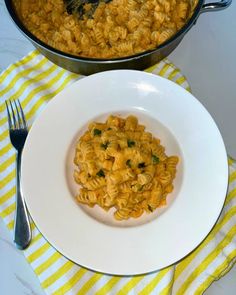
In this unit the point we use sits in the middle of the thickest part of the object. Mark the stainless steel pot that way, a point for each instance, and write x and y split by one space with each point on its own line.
140 61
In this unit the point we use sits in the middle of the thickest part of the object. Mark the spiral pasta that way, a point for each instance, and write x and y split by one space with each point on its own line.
118 28
128 169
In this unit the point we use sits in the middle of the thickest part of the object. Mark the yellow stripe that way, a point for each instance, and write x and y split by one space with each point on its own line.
168 289
232 177
37 78
36 254
36 238
44 86
21 74
38 89
188 89
42 100
184 263
89 284
3 121
44 97
165 60
5 149
222 269
69 78
32 225
129 285
151 69
208 260
71 282
44 266
7 163
180 80
7 195
230 160
57 274
230 196
108 286
173 74
151 286
7 179
8 210
4 135
2 106
21 62
10 225
164 70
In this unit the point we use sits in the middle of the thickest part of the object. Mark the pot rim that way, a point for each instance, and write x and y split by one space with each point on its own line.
15 18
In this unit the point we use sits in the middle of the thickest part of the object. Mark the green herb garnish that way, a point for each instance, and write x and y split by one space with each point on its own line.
150 208
128 163
155 159
141 165
104 145
140 188
130 143
109 128
97 132
101 173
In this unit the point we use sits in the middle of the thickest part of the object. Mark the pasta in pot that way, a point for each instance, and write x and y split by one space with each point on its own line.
118 28
121 165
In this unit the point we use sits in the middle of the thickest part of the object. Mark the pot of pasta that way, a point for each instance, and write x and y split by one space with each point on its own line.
89 36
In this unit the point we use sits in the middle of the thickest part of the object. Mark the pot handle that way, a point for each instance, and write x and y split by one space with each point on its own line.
214 6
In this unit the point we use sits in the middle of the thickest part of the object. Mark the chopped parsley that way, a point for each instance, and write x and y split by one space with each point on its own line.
97 132
155 159
104 145
141 165
150 208
130 143
128 163
140 188
101 173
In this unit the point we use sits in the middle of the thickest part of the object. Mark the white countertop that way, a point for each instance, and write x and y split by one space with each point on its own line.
207 57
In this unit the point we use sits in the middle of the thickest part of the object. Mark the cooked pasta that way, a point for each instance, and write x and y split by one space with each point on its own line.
121 166
117 29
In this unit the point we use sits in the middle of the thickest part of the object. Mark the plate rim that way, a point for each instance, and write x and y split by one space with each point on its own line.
112 73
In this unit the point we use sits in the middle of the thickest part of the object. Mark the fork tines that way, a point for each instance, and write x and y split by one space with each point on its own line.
16 117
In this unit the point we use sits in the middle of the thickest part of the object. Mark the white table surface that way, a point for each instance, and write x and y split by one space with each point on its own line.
207 57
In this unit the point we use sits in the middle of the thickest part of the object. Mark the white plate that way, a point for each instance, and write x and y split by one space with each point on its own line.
92 238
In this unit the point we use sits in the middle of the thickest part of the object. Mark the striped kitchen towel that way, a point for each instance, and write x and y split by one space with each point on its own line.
35 80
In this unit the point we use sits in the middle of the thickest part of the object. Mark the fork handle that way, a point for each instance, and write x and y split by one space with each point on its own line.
22 230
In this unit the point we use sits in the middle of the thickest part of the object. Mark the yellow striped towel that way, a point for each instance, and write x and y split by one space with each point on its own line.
35 80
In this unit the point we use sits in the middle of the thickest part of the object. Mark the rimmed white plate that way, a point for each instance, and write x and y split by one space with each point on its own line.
91 237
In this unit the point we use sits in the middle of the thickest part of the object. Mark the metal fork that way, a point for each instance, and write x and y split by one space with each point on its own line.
18 132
